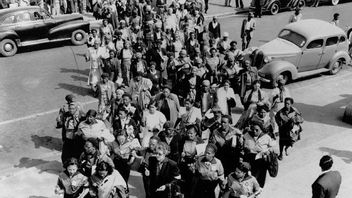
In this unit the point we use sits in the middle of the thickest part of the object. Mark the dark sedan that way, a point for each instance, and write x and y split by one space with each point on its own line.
24 26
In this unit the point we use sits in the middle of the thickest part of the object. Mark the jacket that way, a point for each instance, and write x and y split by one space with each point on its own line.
327 185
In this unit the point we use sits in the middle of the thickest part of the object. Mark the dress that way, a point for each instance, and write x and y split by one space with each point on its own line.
223 96
103 187
95 56
248 186
73 185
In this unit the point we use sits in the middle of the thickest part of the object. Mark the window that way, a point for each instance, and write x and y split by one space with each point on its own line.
315 44
293 37
342 39
23 17
9 20
331 41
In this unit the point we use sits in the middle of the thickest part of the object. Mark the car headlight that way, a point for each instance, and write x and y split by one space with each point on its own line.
267 59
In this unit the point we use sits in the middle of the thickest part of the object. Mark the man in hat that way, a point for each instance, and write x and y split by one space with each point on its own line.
327 185
335 21
248 26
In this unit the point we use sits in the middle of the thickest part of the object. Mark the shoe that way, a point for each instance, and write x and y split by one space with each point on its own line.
280 157
286 153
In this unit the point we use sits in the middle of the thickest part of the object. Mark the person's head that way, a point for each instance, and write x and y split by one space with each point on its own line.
247 64
326 162
91 146
152 107
166 91
225 36
191 132
72 108
192 35
214 86
256 128
105 77
126 99
242 170
256 85
126 44
215 19
94 32
226 121
250 15
262 109
168 128
162 149
206 85
91 115
122 113
71 166
226 84
70 98
153 142
122 24
297 10
183 53
210 151
121 137
213 52
96 44
119 93
138 77
118 34
112 53
152 66
170 11
104 169
105 22
336 16
288 102
233 45
189 103
217 112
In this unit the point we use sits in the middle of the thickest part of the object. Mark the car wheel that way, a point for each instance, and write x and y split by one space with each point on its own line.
336 66
335 2
274 8
79 37
8 47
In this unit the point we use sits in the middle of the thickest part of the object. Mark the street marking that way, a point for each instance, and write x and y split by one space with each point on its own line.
39 114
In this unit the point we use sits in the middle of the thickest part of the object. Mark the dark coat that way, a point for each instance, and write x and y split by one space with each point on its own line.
116 125
153 55
214 32
176 146
167 176
327 185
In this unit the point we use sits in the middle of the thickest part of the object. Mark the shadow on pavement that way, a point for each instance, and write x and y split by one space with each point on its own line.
346 156
330 114
79 78
48 142
82 91
78 71
53 167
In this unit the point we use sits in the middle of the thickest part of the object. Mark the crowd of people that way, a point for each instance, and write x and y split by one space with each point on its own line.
167 84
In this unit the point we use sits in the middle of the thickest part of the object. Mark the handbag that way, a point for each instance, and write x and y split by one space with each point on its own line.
231 103
272 163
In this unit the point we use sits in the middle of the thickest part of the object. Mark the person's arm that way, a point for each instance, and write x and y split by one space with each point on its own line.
318 191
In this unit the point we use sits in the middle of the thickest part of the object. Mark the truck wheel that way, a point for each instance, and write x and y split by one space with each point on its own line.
336 66
79 37
274 8
335 2
8 47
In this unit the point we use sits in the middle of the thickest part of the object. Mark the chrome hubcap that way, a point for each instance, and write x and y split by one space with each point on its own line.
274 9
78 36
8 47
335 2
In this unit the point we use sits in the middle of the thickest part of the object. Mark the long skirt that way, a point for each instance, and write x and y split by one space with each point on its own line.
204 188
94 77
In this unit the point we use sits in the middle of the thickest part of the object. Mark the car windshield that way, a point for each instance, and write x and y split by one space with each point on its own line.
293 37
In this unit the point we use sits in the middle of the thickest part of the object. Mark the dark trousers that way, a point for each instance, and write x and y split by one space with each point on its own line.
246 40
206 5
239 3
204 188
258 9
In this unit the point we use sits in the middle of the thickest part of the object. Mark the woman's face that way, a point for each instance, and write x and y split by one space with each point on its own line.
103 173
213 53
225 123
226 86
160 155
121 139
262 113
112 54
72 169
90 119
288 104
256 130
209 154
119 95
122 115
152 109
105 22
166 92
89 148
256 86
191 134
188 105
152 144
239 174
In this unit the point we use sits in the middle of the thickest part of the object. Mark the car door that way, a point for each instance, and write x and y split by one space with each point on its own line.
43 23
329 50
25 26
311 55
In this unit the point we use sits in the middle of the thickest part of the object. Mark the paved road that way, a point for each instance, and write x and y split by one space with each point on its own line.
33 84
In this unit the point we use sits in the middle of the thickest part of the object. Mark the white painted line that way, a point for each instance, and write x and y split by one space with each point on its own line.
39 114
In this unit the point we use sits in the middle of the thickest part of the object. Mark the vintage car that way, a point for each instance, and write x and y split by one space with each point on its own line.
274 6
31 25
303 48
